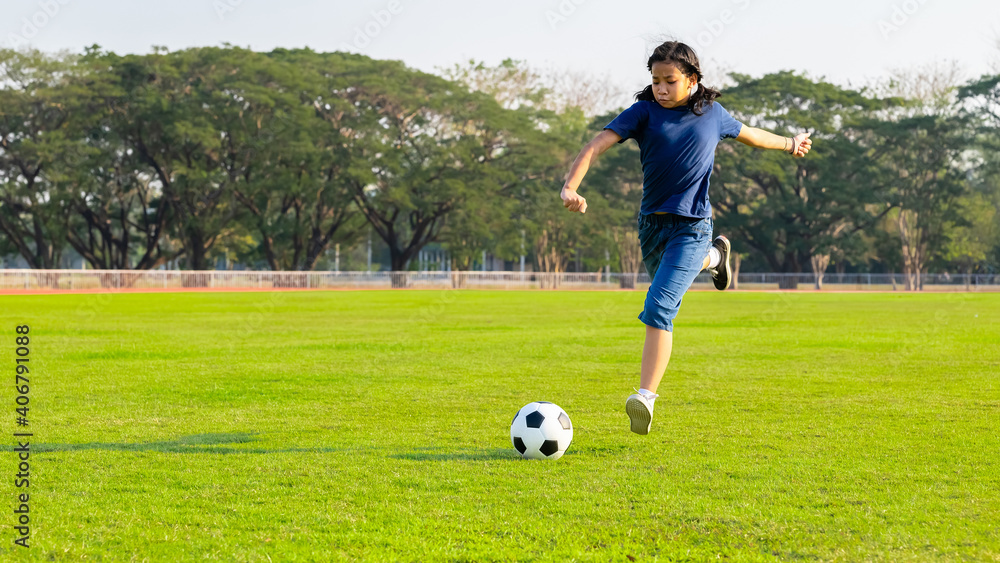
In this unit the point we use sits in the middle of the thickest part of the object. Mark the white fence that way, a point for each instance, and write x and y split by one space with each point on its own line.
225 279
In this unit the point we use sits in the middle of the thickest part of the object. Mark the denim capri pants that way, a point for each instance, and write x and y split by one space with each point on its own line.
673 250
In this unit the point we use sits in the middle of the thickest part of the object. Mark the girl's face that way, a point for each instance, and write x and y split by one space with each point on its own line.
670 87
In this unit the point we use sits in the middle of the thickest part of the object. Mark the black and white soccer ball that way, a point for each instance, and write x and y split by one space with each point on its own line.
541 430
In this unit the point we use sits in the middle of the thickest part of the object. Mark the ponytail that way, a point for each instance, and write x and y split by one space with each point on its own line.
703 96
645 95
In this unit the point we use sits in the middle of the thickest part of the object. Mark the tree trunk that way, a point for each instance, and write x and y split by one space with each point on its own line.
909 236
789 266
195 279
400 279
197 253
400 261
819 264
736 271
549 260
629 255
458 279
789 281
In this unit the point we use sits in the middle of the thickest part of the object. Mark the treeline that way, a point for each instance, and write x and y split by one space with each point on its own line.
272 159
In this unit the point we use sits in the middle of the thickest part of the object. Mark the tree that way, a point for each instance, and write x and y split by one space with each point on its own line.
277 156
970 242
926 89
33 133
981 99
921 148
425 148
922 166
118 217
515 84
560 104
166 115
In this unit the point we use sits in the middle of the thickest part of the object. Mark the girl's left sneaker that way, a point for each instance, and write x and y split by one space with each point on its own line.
640 412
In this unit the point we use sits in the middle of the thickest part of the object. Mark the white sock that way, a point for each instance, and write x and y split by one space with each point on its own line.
650 396
714 257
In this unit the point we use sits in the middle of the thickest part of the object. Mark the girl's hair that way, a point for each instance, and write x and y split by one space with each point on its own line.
686 61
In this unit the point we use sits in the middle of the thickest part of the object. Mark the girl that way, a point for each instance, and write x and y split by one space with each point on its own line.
677 125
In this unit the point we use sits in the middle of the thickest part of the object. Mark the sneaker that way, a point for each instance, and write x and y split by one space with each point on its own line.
722 274
640 412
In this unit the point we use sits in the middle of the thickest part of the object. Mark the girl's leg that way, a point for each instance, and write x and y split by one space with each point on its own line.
655 356
656 351
674 264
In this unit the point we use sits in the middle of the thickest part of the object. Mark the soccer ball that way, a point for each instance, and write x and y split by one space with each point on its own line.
541 430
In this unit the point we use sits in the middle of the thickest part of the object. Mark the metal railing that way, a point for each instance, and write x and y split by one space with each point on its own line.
111 280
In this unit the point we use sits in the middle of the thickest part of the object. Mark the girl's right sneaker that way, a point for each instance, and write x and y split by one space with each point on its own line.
722 274
640 411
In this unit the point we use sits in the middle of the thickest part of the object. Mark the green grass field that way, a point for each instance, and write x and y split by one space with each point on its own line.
374 425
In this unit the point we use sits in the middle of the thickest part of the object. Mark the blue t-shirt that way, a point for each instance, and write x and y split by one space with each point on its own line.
677 150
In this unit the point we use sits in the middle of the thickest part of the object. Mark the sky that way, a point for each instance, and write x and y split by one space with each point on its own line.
848 42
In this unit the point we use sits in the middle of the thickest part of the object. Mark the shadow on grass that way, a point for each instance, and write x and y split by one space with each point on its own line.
222 443
194 444
441 454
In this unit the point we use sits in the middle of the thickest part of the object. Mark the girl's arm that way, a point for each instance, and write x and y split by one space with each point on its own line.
602 142
798 145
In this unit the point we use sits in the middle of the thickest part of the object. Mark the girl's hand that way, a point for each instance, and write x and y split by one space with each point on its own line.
801 144
573 201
